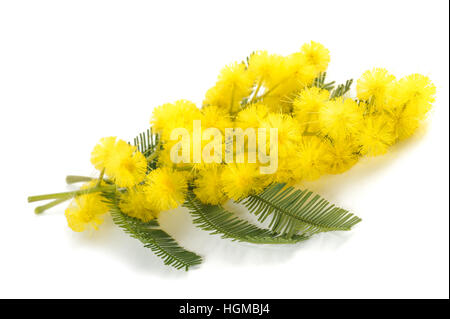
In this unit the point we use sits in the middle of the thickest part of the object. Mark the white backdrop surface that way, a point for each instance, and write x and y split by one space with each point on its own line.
72 72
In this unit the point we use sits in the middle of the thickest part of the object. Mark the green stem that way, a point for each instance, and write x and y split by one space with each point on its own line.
68 195
153 155
72 179
152 150
256 91
309 133
232 100
272 88
307 124
41 209
100 178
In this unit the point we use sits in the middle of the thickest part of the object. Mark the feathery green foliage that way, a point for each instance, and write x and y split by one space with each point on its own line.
217 220
319 82
147 143
341 89
297 211
149 233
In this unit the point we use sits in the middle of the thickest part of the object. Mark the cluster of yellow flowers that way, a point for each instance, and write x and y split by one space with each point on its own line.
319 132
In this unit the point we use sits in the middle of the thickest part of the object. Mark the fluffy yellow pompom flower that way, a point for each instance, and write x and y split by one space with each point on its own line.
416 91
252 116
266 69
299 72
340 118
86 211
102 151
134 202
343 154
312 160
281 77
288 131
307 105
234 83
316 55
216 117
209 186
376 136
166 188
126 165
242 179
410 101
288 171
169 116
404 120
376 83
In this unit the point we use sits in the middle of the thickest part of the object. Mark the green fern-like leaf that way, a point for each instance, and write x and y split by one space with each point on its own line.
319 82
297 211
341 89
217 220
149 233
147 143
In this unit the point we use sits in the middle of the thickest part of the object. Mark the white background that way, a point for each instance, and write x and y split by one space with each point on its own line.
72 72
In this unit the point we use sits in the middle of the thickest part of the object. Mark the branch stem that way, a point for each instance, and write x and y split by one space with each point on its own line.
100 178
256 91
68 195
72 179
41 209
